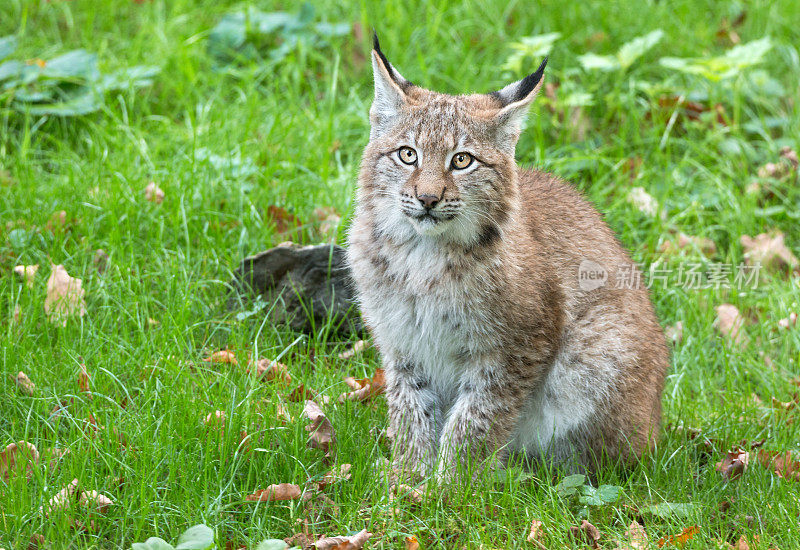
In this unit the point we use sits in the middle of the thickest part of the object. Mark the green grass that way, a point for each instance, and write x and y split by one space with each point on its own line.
303 122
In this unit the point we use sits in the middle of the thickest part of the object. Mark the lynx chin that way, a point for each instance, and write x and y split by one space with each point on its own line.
467 270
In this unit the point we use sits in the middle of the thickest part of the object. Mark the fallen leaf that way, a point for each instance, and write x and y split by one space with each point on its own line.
680 539
536 535
783 405
65 297
13 454
342 474
282 414
27 273
284 221
216 418
301 393
734 463
24 384
674 333
318 505
353 542
272 370
642 200
781 463
635 538
791 155
586 532
403 491
706 246
303 540
741 544
154 193
693 110
730 323
98 501
364 389
322 436
769 250
357 348
84 379
281 491
63 500
328 221
788 322
222 356
17 315
411 543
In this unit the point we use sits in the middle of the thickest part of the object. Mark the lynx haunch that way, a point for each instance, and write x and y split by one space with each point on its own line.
469 277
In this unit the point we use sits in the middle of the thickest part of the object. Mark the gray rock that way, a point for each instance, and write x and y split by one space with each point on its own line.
309 287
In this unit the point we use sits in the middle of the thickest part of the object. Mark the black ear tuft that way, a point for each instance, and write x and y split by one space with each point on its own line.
399 80
528 83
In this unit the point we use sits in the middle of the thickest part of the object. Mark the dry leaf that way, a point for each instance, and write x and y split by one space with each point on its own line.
272 370
83 380
17 315
328 220
791 155
13 454
64 297
322 436
154 193
282 491
24 384
303 540
730 323
353 542
216 418
364 388
342 474
733 465
788 322
63 500
586 532
783 405
706 246
635 538
222 356
680 539
642 200
769 250
301 393
781 463
284 220
411 543
317 505
674 333
96 500
282 414
536 535
357 348
27 273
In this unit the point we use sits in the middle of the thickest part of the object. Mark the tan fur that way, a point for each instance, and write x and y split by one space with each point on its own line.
489 341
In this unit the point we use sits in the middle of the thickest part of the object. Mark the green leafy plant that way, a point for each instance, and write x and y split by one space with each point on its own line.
625 56
577 485
529 49
199 537
68 85
252 34
722 66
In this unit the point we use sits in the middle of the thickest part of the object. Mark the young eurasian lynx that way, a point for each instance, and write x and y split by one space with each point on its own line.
490 291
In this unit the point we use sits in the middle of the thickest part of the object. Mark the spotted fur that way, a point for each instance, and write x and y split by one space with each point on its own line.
489 341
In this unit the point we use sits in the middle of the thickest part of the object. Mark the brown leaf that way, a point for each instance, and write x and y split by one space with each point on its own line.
216 418
586 532
674 333
730 323
680 539
222 356
272 370
342 474
24 384
411 543
364 388
27 273
98 501
63 500
301 393
783 405
769 250
154 193
706 246
781 463
13 454
734 463
789 321
353 542
84 379
282 414
791 155
357 348
317 505
65 297
282 491
303 540
328 221
536 535
322 436
284 221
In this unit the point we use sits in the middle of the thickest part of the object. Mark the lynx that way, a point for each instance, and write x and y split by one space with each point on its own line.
492 292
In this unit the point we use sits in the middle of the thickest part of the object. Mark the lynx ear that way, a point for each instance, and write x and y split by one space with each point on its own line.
514 100
390 87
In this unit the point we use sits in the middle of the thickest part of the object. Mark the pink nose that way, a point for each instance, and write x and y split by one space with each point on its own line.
428 201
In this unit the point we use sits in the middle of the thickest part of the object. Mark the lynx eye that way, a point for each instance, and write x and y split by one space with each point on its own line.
461 161
407 155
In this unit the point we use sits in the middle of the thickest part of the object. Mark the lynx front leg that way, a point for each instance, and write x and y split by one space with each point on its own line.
481 421
413 412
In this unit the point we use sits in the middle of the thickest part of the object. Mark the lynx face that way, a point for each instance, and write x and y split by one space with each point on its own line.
438 165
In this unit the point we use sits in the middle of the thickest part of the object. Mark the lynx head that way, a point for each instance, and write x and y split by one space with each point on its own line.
442 166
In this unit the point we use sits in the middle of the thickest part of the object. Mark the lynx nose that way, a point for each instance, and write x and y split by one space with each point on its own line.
428 201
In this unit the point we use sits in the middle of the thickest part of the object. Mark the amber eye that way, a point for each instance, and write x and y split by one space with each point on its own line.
461 161
407 155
